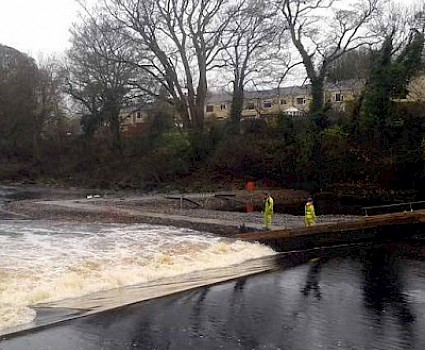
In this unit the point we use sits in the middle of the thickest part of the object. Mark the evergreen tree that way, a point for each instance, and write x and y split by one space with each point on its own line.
389 78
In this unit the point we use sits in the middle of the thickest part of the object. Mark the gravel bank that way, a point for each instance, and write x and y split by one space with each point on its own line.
163 211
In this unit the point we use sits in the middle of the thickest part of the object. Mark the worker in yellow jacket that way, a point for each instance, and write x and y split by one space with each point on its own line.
268 211
310 214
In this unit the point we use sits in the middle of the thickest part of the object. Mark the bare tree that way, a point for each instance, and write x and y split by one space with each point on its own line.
353 65
179 40
47 99
322 31
417 21
250 51
99 74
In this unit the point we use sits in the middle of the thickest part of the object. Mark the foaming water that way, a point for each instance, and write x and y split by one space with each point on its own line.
365 296
44 262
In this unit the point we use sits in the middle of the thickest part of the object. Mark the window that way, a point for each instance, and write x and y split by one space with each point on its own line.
138 115
283 102
222 106
250 105
267 104
339 97
300 100
210 108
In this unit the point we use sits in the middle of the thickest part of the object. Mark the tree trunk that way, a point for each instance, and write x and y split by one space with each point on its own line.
115 128
317 92
199 117
236 110
317 108
36 139
36 147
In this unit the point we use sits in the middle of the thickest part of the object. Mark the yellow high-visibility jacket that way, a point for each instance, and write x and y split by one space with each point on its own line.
310 214
268 206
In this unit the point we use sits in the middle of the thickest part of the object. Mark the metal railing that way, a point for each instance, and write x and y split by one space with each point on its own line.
408 205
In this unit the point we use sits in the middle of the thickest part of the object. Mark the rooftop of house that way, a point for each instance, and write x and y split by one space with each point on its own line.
295 90
343 85
260 94
137 107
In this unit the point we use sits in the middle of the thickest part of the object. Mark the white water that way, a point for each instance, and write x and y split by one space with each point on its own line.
43 261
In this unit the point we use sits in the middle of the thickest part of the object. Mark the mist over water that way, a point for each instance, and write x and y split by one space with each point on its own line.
45 262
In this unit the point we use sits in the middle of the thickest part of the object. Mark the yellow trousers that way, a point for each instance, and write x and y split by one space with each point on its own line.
309 222
267 221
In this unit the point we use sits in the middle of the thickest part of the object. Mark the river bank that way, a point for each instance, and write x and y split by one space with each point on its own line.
378 287
221 213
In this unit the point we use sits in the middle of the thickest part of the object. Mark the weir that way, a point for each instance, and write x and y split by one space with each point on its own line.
397 225
55 313
394 226
369 228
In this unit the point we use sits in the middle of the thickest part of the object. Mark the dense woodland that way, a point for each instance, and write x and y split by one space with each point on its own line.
60 117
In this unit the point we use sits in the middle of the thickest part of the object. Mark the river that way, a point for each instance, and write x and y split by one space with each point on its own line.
366 296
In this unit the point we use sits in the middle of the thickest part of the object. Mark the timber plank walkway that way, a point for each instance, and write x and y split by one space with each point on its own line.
360 224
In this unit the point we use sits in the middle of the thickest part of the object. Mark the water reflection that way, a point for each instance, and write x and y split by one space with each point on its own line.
198 307
350 298
383 290
313 275
239 285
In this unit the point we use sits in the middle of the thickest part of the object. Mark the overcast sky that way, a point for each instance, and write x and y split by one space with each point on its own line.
34 26
41 26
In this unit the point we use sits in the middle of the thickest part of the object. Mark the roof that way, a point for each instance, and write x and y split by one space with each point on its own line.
219 97
261 94
343 85
278 92
284 91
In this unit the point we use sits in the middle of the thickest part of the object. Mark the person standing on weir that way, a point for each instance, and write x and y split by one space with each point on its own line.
268 211
310 214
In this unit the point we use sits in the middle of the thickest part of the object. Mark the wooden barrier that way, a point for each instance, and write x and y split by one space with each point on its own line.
364 228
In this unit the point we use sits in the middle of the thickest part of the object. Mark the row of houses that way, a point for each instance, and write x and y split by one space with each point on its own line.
291 100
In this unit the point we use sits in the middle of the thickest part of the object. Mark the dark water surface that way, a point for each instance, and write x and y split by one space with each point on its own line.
363 297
